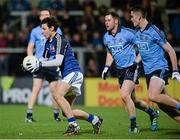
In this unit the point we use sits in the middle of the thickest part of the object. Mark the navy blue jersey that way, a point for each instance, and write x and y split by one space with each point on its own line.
59 45
37 38
121 47
150 44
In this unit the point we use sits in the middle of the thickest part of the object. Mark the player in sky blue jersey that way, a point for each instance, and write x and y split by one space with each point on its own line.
58 54
152 44
37 42
120 49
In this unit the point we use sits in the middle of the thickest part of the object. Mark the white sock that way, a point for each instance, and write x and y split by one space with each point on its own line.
73 123
95 120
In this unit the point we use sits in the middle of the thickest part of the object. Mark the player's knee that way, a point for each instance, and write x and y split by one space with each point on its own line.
55 96
125 96
152 97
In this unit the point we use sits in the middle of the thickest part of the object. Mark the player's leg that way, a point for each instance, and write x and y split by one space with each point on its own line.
37 83
56 110
62 89
96 121
53 86
156 86
173 113
126 90
142 105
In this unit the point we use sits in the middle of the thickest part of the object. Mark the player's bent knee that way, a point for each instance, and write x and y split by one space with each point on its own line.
125 96
152 97
55 96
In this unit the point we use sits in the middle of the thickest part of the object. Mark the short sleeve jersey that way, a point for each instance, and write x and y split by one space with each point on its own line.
121 47
150 44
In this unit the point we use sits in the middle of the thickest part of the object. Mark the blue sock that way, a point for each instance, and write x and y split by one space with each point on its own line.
56 113
29 113
150 111
133 121
178 106
71 120
90 118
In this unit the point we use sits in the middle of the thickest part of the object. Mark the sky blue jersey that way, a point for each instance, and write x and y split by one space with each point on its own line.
150 44
59 45
38 39
121 47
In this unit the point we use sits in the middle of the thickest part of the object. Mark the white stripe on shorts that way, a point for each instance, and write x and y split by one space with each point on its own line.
75 79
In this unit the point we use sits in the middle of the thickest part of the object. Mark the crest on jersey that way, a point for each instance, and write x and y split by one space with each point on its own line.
52 48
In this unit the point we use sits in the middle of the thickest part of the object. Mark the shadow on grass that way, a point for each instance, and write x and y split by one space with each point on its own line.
168 131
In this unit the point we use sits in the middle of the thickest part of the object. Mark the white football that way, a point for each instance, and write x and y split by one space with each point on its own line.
29 60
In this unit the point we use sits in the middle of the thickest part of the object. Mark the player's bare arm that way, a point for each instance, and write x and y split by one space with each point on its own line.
168 48
30 49
109 59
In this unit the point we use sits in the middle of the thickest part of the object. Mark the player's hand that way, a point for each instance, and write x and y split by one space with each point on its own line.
134 67
176 75
35 66
22 68
105 72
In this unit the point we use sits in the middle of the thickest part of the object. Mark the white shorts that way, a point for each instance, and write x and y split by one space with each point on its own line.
75 79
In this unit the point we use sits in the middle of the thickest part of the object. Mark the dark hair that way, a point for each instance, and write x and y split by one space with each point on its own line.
113 14
139 8
50 21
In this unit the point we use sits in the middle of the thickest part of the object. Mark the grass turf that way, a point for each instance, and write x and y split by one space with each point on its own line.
115 125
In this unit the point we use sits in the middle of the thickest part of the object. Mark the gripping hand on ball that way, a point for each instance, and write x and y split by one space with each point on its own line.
34 66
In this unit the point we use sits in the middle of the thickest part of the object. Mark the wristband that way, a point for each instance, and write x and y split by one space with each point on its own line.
107 66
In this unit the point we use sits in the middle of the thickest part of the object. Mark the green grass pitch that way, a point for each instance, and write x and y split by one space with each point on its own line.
115 125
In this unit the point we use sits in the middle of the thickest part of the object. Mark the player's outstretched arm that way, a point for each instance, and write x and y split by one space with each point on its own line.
169 49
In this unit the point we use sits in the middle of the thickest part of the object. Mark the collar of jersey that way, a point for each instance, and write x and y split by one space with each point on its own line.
147 27
50 40
118 30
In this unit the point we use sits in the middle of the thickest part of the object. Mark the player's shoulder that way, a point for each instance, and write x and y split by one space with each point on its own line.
61 38
129 30
106 34
37 28
156 31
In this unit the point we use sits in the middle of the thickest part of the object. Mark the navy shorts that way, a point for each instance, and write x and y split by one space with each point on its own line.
162 74
49 74
128 74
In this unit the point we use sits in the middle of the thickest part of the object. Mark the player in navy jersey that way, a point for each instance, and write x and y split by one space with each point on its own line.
152 45
58 54
37 42
118 42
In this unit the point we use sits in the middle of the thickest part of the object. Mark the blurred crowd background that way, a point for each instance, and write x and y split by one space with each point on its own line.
82 22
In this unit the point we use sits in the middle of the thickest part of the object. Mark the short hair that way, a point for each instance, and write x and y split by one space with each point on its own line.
139 8
113 14
50 21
